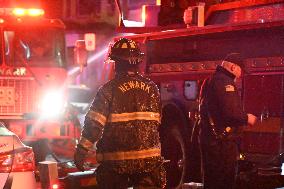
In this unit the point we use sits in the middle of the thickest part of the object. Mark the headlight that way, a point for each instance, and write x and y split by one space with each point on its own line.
52 104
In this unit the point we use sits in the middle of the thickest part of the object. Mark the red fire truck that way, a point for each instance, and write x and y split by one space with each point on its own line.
178 57
33 81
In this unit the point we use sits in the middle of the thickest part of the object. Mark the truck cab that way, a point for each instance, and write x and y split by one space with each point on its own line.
33 77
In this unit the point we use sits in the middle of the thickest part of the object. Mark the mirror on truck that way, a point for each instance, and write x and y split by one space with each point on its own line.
80 53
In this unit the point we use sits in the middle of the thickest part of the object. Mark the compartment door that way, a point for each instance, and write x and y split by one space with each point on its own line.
263 96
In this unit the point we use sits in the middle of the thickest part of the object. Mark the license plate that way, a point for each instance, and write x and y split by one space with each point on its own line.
7 96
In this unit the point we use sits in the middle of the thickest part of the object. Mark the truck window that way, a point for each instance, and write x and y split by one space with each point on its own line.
31 47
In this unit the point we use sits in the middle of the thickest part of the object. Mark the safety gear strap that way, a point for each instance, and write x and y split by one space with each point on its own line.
128 155
149 116
97 117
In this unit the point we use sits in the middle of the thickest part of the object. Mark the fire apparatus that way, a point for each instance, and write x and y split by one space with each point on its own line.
33 81
179 56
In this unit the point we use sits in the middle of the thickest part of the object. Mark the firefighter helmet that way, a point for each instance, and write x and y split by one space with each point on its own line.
125 52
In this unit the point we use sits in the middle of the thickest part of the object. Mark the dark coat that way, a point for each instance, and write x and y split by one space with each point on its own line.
123 121
219 99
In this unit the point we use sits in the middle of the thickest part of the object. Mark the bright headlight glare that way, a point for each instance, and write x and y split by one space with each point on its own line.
52 104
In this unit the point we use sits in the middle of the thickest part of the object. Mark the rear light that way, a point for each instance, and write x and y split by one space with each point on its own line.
20 160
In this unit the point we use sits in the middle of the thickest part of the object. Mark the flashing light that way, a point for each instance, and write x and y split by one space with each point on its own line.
35 12
28 12
52 104
55 186
19 12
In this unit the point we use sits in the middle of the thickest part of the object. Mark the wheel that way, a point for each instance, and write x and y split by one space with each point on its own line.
173 136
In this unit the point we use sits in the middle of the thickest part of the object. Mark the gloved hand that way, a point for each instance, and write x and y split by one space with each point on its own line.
80 157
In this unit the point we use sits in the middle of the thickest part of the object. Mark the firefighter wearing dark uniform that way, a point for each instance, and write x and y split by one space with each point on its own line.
123 122
221 114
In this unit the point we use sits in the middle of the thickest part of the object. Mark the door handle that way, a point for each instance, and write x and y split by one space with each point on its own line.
264 114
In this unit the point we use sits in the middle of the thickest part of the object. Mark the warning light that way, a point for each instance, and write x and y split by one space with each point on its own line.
55 186
90 41
19 12
35 12
28 12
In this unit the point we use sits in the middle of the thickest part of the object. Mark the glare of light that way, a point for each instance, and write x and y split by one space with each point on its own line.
55 186
35 12
90 60
97 55
19 11
131 23
27 12
52 104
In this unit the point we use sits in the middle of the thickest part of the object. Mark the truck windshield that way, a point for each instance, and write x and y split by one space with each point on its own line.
37 47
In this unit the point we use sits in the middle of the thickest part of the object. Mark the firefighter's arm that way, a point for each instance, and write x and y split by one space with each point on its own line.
95 121
230 103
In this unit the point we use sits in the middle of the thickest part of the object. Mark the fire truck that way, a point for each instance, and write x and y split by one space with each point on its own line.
33 81
184 49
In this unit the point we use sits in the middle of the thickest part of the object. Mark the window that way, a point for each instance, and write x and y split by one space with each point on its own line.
27 46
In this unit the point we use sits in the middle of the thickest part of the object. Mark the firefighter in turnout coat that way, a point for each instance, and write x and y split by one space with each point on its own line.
123 124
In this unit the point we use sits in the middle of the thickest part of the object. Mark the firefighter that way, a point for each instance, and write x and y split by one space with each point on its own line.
221 115
123 124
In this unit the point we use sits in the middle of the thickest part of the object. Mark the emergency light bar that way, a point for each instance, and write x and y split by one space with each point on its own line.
21 12
28 12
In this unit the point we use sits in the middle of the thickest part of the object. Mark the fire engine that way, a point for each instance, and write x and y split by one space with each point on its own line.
179 56
33 81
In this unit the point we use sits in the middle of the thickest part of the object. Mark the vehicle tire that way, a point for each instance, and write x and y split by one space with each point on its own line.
173 136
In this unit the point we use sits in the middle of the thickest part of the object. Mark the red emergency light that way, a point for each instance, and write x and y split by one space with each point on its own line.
33 12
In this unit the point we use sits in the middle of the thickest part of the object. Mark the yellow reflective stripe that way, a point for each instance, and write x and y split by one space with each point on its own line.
97 117
150 116
86 143
128 155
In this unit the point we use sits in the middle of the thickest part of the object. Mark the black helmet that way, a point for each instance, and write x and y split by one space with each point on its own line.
235 58
125 53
